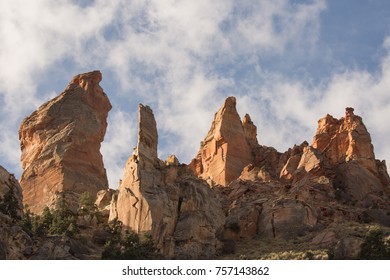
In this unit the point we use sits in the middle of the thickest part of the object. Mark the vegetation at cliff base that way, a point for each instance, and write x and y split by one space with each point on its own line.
375 245
9 205
127 245
60 221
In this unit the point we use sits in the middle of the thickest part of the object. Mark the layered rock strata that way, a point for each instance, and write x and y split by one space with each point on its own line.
60 144
163 198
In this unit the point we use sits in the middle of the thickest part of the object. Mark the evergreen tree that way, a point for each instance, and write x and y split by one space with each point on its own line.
375 247
9 204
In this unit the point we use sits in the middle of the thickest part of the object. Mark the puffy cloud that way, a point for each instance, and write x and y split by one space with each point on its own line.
35 35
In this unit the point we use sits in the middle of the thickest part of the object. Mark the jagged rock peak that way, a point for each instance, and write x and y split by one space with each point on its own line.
225 150
60 145
345 139
147 134
250 131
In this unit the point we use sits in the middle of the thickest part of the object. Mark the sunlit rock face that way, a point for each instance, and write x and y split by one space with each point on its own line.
226 149
60 144
345 139
165 199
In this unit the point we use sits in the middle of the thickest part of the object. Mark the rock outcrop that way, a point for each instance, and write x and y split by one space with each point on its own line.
181 212
10 193
226 149
60 144
345 140
346 145
335 180
14 242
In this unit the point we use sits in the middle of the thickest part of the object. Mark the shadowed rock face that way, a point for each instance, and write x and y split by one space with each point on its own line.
225 151
165 199
60 144
14 242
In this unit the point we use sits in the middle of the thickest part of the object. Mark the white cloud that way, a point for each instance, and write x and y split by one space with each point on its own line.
36 34
286 110
182 58
181 44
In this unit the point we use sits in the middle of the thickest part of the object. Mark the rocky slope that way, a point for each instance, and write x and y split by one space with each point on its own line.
60 145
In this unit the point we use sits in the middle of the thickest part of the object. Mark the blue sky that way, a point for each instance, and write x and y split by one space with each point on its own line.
287 62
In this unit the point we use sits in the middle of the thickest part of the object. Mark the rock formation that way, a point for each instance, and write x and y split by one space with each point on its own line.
11 191
14 242
345 140
226 149
336 179
234 192
346 144
181 212
60 145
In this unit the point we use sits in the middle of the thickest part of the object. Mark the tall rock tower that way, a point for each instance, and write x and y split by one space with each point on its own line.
60 145
182 214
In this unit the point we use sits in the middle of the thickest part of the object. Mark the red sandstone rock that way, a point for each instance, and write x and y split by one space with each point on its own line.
60 145
345 140
225 151
180 211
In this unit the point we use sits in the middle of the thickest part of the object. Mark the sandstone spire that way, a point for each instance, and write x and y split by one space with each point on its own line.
132 207
225 151
60 145
182 213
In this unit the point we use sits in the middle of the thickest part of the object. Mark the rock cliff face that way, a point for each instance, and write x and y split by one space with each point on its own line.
60 145
336 179
10 189
14 242
226 149
345 140
165 199
346 145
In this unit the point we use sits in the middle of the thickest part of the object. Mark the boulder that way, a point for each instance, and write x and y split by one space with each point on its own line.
348 248
287 218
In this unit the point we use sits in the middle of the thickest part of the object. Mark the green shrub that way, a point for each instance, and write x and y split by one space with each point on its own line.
87 203
127 246
375 246
63 221
9 205
60 221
